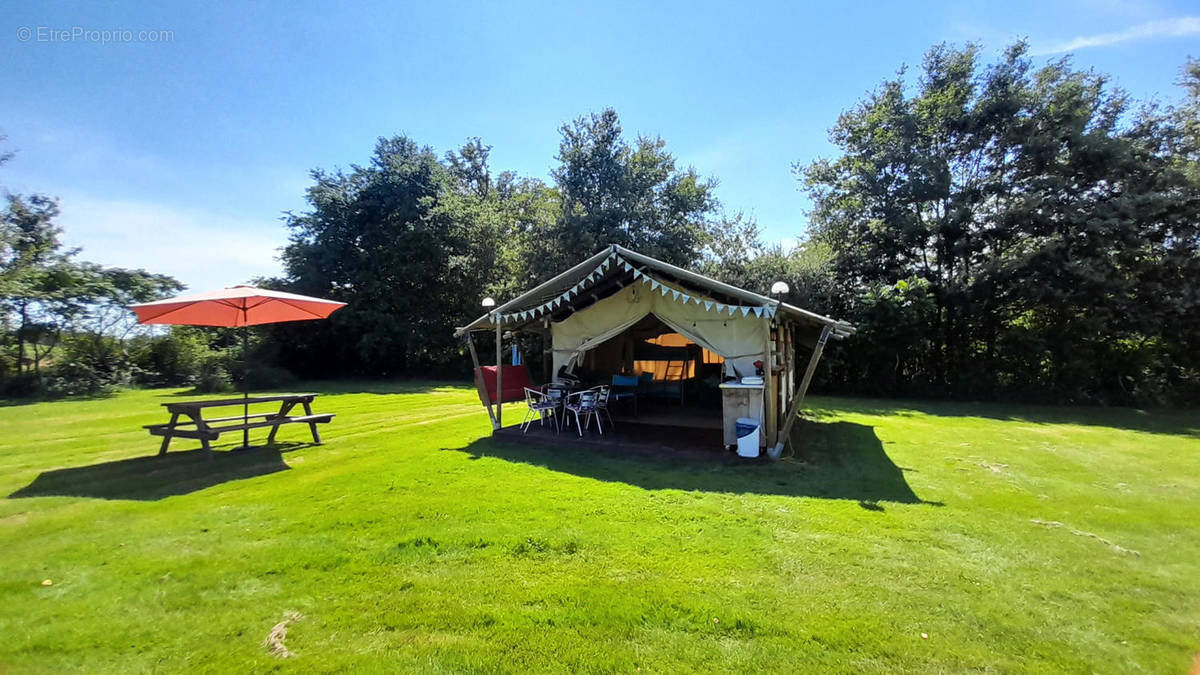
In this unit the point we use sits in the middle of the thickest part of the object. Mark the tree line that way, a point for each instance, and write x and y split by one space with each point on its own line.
1008 231
994 230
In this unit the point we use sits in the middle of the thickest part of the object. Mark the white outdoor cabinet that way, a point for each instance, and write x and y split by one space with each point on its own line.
742 400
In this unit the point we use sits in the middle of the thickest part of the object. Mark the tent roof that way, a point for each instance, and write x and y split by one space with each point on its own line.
616 277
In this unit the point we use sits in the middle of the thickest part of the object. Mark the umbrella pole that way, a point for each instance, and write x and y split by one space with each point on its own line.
245 385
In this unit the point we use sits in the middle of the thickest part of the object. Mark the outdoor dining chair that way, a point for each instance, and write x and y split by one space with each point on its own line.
584 404
603 396
540 406
557 393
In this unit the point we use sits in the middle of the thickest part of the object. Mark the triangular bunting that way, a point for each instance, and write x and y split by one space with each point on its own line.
708 305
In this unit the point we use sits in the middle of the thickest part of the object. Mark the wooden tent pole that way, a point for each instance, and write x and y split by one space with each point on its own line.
786 433
790 388
483 395
499 373
770 413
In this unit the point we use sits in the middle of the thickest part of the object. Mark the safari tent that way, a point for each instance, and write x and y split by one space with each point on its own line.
621 312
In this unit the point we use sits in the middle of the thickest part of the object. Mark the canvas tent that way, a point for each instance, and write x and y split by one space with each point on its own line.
611 292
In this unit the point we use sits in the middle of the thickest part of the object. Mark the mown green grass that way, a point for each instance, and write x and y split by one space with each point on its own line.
412 541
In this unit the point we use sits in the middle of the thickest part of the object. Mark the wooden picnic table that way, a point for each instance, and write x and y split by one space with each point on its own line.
198 427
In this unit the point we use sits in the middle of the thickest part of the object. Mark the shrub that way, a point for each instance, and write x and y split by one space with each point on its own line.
270 377
79 379
175 358
213 375
23 385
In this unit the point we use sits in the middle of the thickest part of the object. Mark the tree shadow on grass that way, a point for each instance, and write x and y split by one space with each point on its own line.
833 460
155 477
1178 422
329 387
33 400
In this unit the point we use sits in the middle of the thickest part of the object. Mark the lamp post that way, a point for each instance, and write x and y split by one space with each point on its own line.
779 289
488 303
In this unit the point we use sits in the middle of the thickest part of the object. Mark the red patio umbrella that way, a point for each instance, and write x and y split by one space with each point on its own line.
231 307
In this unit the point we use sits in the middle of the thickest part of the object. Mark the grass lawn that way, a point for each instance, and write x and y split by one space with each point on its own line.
1016 538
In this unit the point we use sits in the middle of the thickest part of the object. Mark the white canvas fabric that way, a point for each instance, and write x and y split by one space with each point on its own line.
741 336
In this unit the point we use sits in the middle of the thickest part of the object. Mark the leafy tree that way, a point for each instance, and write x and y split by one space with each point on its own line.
48 298
412 244
41 287
98 346
1040 207
374 239
632 195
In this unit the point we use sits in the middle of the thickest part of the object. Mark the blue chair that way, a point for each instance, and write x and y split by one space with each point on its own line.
645 384
625 388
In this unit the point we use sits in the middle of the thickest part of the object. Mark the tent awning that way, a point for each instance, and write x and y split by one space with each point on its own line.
615 267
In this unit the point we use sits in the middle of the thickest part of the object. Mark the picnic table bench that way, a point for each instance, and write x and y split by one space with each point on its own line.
196 426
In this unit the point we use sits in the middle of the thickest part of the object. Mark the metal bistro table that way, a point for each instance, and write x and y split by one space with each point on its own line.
202 429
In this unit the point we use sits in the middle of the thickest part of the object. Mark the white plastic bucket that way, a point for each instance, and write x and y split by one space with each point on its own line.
748 433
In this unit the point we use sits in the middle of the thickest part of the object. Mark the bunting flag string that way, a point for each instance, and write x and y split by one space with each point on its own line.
638 275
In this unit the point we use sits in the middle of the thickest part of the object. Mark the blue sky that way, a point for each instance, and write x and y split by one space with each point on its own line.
179 155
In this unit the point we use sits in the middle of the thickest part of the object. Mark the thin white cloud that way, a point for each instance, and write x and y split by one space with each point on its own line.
203 250
1166 28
